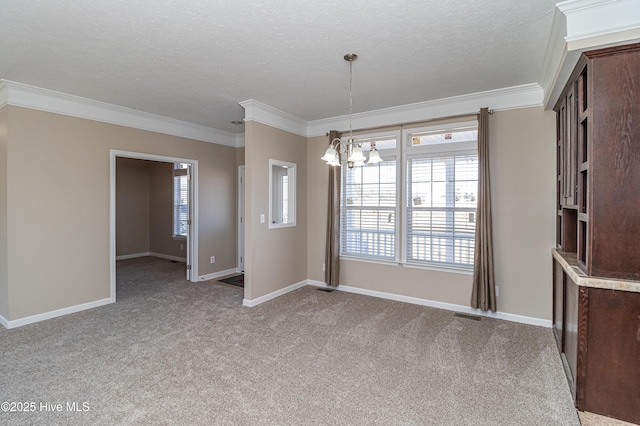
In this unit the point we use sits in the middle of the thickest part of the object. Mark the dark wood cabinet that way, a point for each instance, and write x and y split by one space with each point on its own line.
598 191
597 331
596 273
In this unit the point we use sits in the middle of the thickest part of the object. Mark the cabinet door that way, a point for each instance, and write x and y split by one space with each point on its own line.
570 347
562 150
571 149
558 303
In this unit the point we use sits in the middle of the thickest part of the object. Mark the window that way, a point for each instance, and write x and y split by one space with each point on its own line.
370 206
180 199
442 192
427 217
282 194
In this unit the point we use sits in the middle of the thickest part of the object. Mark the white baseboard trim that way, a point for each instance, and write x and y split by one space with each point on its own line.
4 322
216 275
168 257
133 256
254 302
440 305
53 314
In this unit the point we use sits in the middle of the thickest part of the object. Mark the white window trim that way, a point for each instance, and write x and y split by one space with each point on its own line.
291 186
438 267
403 152
386 155
410 152
176 166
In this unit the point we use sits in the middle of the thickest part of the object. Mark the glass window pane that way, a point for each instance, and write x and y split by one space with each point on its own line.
370 231
442 198
439 195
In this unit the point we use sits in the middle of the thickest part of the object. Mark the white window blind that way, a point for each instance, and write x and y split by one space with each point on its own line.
442 192
180 199
369 208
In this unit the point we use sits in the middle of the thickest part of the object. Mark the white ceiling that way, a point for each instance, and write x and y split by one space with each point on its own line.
195 60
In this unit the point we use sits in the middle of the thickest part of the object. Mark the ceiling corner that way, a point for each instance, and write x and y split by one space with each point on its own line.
580 25
4 94
265 114
554 56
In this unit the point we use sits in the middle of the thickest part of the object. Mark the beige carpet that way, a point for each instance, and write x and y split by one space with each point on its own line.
172 352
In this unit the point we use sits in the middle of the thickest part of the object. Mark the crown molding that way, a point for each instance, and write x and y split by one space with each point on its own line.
597 22
4 94
554 58
22 95
523 96
265 114
580 25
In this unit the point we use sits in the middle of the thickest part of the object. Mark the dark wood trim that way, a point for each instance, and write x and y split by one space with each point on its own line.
610 51
581 368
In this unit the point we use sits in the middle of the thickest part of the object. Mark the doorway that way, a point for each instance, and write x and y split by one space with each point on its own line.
241 219
184 214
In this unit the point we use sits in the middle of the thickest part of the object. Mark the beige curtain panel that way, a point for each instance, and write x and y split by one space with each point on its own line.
332 252
483 295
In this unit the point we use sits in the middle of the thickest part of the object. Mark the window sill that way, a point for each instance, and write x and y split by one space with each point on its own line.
452 270
369 260
438 268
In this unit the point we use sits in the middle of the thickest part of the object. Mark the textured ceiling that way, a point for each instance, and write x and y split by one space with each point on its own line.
195 60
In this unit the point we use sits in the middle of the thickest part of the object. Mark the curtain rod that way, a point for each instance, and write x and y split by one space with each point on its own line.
409 123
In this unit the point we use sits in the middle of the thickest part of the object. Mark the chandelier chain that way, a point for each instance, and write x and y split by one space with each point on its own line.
350 99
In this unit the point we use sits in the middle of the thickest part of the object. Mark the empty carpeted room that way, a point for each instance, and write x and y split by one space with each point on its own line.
250 212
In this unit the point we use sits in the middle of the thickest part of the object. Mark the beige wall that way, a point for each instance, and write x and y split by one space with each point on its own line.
523 170
317 184
132 206
275 258
240 156
58 223
522 180
4 307
161 212
144 208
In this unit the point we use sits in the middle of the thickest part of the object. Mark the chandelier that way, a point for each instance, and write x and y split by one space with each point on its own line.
352 148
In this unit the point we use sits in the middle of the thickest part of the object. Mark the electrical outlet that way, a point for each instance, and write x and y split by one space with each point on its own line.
212 259
323 267
497 291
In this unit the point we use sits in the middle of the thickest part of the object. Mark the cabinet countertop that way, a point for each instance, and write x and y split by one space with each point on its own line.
570 266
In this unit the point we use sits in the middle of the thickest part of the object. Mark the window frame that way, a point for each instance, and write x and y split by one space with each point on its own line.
415 152
290 196
178 172
390 154
403 152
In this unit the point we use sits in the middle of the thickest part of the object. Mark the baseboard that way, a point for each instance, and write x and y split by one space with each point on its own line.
133 256
53 314
440 305
216 275
168 257
254 302
4 322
